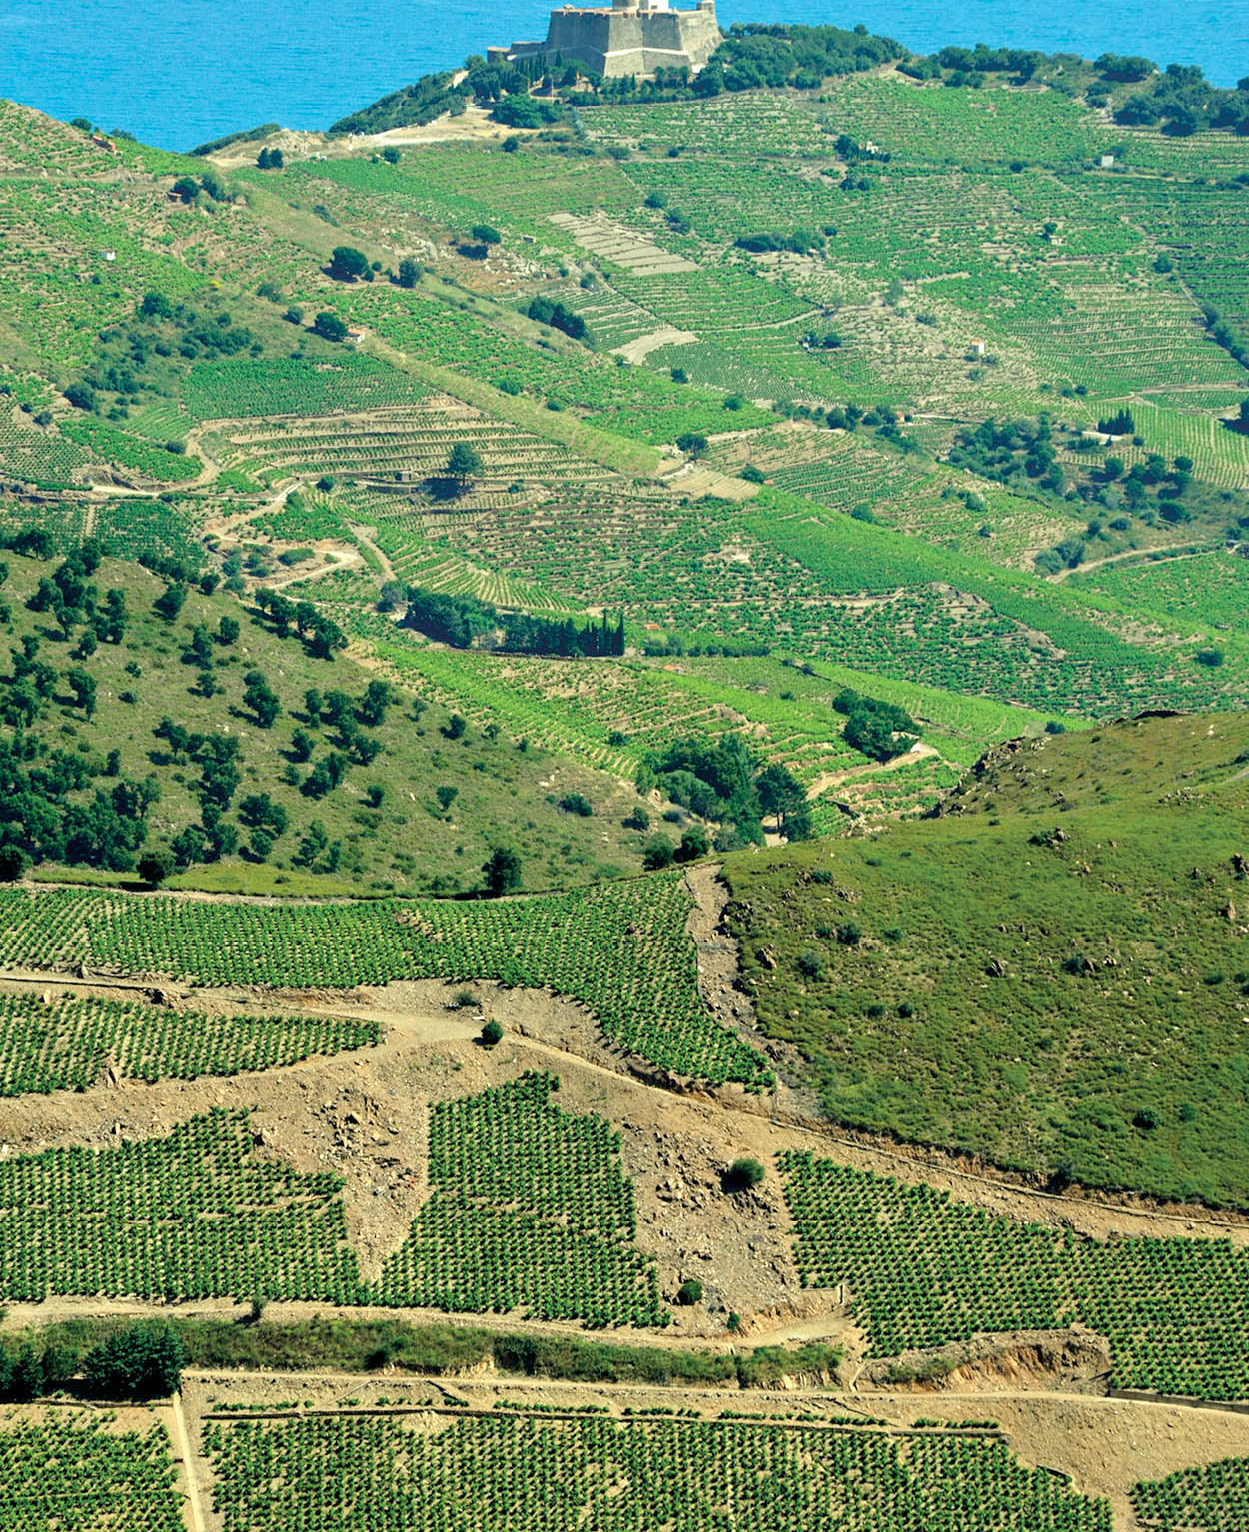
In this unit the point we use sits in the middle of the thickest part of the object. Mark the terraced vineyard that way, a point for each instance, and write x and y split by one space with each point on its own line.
924 1270
62 1042
241 387
503 1472
620 948
36 455
401 443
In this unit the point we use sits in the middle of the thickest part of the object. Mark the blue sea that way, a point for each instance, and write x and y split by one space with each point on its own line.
178 74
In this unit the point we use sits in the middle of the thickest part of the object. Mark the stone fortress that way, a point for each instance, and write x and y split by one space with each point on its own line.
633 37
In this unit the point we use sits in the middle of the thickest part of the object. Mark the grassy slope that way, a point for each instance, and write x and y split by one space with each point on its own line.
504 794
1041 1068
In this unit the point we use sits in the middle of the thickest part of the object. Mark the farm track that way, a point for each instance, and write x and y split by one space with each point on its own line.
186 1456
849 1401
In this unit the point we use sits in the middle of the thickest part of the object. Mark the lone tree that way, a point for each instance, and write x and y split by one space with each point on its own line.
347 264
491 1033
502 872
409 271
463 465
260 698
330 327
155 867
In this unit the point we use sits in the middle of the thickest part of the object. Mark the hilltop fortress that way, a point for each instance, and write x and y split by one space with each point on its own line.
628 37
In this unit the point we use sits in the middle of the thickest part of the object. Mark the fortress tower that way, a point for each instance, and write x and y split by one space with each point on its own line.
626 37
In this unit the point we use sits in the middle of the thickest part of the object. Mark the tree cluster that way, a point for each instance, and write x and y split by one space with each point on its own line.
127 356
721 781
799 241
524 634
413 106
41 821
879 730
1010 451
141 1361
1118 424
1180 100
753 56
550 312
461 620
321 635
454 620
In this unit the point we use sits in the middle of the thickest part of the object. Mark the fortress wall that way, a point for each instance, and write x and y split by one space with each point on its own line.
617 43
587 36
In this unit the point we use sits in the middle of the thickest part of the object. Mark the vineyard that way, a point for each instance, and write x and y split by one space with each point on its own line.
491 1473
136 528
62 1042
528 1209
619 948
1206 588
924 1270
37 455
128 451
78 1473
403 444
192 1215
240 387
1195 1499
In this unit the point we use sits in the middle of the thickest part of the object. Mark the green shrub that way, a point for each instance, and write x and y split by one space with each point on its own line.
743 1174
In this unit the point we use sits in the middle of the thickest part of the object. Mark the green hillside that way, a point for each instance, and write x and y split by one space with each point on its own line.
377 789
901 297
1050 975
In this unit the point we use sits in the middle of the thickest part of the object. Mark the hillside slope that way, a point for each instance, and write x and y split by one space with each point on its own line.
281 791
1051 975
